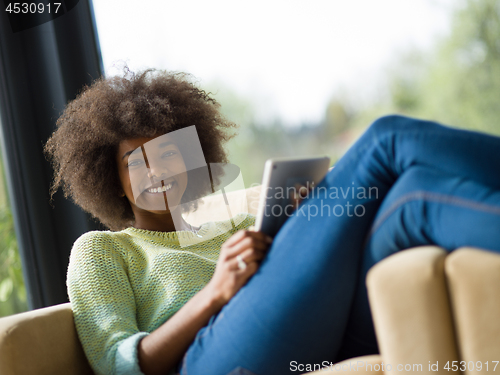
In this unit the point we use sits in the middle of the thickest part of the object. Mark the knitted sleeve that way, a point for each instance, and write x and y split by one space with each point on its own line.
103 305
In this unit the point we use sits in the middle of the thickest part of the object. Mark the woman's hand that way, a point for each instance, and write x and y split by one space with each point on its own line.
239 259
163 348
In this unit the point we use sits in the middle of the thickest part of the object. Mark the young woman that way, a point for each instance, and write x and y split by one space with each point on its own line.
230 304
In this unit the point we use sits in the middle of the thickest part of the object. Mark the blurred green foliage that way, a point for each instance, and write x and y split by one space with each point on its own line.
456 82
12 290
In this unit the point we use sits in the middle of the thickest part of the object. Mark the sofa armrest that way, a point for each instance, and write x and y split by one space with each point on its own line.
474 284
411 310
42 342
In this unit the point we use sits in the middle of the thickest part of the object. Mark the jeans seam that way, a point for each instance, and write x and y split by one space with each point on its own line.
436 197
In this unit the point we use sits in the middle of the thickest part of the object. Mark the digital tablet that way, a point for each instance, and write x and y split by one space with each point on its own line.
280 180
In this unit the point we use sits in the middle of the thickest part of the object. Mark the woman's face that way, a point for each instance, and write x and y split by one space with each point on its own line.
152 173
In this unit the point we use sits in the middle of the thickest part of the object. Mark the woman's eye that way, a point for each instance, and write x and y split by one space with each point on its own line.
134 163
168 154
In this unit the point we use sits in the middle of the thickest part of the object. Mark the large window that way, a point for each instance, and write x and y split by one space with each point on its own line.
12 289
308 77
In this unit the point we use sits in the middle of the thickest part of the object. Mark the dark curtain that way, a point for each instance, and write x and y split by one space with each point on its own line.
41 69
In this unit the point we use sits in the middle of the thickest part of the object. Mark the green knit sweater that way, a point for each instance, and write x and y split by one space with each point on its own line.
124 285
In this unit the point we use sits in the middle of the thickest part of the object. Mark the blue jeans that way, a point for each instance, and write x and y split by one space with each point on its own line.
404 183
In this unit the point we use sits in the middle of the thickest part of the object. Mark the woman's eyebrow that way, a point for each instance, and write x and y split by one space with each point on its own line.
140 148
127 153
161 145
165 144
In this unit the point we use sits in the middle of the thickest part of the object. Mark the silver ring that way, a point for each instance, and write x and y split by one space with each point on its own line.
241 263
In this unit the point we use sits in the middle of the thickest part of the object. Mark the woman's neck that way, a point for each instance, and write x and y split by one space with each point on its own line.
161 222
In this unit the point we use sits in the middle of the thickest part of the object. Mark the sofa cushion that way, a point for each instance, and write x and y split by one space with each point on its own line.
474 283
42 342
411 311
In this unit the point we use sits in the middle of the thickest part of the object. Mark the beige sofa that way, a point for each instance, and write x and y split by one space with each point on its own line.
429 309
434 313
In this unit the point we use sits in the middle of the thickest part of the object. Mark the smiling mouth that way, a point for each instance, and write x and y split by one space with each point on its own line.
160 189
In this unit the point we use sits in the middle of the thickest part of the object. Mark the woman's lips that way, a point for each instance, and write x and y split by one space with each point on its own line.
160 189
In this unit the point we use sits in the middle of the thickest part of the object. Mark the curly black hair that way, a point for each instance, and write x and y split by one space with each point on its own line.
147 104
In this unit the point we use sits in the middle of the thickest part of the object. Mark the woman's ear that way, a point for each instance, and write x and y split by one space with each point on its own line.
121 194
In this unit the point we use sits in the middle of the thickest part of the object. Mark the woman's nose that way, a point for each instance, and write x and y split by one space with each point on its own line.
157 174
157 168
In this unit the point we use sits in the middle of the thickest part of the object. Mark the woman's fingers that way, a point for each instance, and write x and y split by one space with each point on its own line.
241 234
239 259
260 243
246 257
249 270
245 249
238 236
246 237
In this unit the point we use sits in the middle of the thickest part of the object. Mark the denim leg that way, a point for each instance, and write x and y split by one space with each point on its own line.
424 207
295 309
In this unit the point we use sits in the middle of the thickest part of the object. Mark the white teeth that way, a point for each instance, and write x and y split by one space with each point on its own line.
160 189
